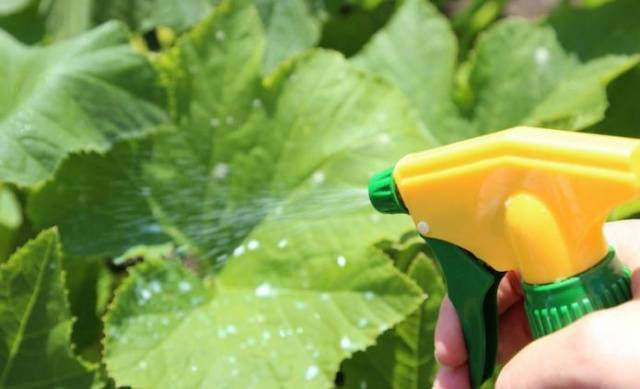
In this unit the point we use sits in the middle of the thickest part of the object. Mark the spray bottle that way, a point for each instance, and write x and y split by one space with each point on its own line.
525 199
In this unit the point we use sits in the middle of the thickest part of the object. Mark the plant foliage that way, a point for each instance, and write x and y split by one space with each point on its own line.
183 184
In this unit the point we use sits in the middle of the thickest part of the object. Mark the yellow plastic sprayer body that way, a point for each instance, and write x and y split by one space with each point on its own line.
525 199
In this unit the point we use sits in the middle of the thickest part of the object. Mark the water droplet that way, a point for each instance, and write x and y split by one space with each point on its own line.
541 55
214 122
345 343
282 243
184 286
266 335
231 359
264 290
299 330
164 321
383 327
363 384
375 217
220 35
300 305
311 373
256 103
194 368
231 329
324 296
238 251
155 286
220 170
315 354
423 227
145 294
369 295
222 333
142 364
384 139
235 372
230 120
341 260
253 244
318 177
363 322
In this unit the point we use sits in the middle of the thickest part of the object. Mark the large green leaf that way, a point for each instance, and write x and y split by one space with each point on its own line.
272 327
610 28
298 148
35 350
518 74
417 51
144 15
521 75
81 94
291 27
271 173
403 356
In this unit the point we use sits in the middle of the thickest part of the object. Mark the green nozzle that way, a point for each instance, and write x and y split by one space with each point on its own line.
383 194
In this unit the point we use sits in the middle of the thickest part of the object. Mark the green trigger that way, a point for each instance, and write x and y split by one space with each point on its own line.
472 288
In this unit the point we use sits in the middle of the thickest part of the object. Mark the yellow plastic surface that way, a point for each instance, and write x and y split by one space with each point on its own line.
526 199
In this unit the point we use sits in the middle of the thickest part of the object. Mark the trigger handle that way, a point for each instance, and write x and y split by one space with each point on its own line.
472 288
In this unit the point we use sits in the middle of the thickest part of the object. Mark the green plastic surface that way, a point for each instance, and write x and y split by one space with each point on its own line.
472 288
552 306
383 194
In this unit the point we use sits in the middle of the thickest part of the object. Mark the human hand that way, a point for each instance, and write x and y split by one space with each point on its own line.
599 350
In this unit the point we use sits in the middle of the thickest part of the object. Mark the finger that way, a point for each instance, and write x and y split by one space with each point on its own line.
624 236
599 350
513 332
509 291
452 378
449 341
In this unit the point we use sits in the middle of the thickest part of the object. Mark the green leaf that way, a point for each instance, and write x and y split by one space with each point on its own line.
265 328
10 220
13 6
82 94
423 66
403 356
610 28
296 150
518 74
271 173
35 320
591 32
535 79
26 24
144 15
84 278
290 26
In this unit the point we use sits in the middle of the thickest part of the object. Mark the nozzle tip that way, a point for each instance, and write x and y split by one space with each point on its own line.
383 193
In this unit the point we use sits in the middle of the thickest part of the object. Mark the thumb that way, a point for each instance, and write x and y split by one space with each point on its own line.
598 350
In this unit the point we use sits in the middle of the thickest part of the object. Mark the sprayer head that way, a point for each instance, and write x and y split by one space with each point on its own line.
383 193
